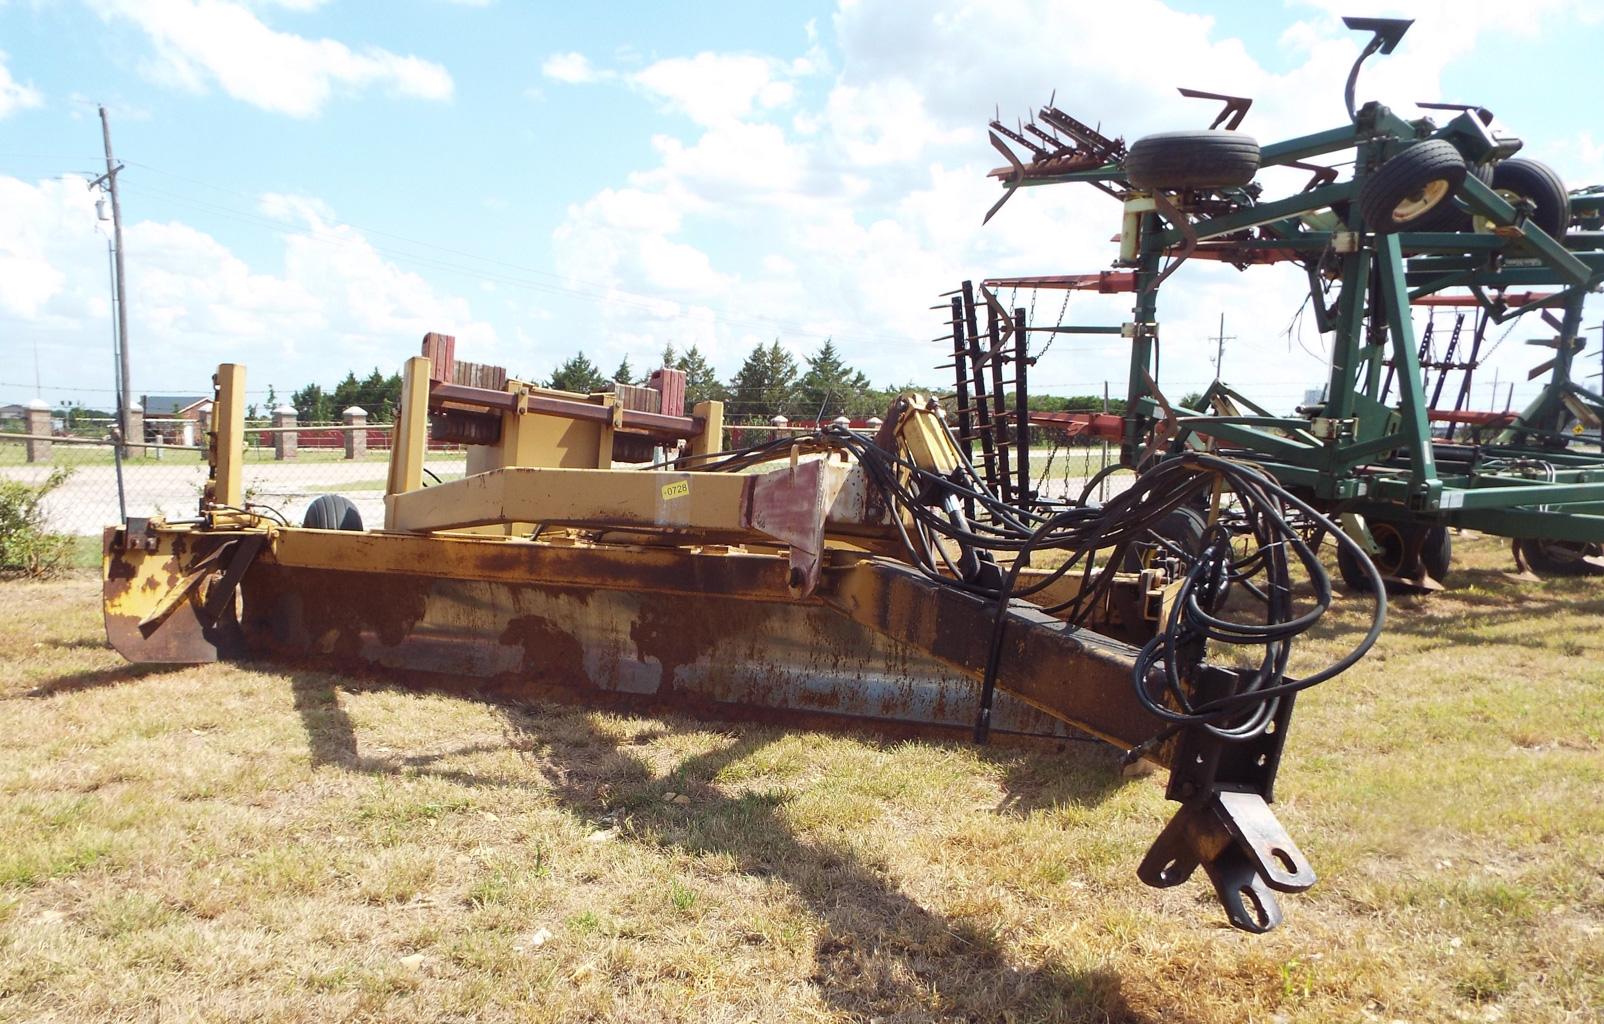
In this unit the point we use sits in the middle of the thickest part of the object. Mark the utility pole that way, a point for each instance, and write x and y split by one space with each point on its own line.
1219 355
126 397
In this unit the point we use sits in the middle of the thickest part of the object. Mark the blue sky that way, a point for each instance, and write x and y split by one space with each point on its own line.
312 185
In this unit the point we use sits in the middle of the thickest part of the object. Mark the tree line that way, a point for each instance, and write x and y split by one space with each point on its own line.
769 382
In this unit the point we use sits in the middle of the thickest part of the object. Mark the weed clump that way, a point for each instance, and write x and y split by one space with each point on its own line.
27 547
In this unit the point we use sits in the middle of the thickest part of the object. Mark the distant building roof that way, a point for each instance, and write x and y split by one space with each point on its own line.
170 405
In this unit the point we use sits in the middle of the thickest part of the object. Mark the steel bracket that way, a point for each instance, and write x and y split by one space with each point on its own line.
1236 839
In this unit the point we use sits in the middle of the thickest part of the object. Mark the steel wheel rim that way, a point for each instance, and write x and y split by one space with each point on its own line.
1486 227
1390 559
1418 204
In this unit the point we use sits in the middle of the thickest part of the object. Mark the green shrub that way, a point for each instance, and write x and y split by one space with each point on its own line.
26 547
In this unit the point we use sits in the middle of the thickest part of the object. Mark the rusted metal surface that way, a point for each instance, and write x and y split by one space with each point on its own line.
457 426
167 596
1242 848
1099 425
1105 282
655 424
708 634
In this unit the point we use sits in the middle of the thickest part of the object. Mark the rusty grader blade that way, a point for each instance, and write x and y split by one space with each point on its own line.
168 596
823 580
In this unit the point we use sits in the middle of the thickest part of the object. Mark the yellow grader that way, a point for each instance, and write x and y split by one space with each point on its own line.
606 549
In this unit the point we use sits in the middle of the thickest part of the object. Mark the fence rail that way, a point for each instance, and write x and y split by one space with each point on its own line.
167 480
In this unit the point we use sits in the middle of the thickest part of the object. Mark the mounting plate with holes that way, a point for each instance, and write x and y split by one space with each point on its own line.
1236 839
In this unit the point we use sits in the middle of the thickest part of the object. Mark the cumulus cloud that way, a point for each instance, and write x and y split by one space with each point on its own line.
573 68
203 43
714 88
847 215
15 95
337 303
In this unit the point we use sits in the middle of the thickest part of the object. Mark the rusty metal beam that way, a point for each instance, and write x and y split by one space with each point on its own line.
654 423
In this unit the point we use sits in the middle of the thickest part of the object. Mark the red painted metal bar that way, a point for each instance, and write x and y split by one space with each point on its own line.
1100 425
1479 419
1108 282
1511 299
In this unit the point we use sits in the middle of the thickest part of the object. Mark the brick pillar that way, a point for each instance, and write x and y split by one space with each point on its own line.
284 443
356 438
134 442
203 427
36 421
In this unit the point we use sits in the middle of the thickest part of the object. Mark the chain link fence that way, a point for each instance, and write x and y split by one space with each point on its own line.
284 470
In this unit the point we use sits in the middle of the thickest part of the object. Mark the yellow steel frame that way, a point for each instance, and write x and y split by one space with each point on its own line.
226 438
411 440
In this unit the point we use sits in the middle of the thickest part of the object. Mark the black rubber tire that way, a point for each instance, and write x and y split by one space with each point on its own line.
1195 159
1558 557
1449 216
1183 527
1436 554
1537 182
1351 571
332 512
1407 176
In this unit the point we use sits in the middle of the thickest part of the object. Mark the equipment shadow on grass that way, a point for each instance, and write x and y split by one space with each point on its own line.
92 679
1490 600
880 953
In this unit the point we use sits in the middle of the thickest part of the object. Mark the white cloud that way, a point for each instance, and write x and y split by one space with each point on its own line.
15 95
335 303
850 213
199 43
715 88
573 68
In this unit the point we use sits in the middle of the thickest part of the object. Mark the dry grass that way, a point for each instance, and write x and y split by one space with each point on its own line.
239 844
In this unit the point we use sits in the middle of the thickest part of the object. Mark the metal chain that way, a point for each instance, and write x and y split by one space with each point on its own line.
1052 336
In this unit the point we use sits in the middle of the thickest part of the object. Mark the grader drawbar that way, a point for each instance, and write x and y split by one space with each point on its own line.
603 549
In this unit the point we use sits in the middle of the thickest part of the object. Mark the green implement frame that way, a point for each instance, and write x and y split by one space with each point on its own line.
1356 451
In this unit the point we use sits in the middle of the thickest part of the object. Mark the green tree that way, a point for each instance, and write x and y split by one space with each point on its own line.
312 405
346 394
1076 403
625 374
830 387
577 374
669 358
701 383
765 384
377 395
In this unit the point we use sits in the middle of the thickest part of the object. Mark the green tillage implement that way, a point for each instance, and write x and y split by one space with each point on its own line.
1426 210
